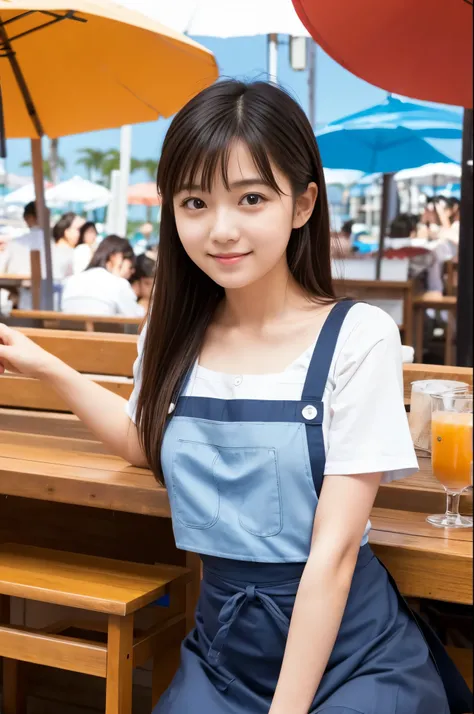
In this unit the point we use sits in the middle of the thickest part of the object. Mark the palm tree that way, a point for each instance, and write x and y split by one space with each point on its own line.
93 161
47 168
150 167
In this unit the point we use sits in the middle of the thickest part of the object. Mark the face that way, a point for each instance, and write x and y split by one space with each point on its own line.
71 234
90 236
238 236
145 286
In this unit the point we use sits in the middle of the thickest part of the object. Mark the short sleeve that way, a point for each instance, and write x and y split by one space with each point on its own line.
368 426
131 407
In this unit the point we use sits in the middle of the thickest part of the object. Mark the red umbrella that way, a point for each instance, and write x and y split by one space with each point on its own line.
418 48
143 194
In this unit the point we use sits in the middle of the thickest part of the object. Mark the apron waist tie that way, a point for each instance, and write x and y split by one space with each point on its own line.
231 610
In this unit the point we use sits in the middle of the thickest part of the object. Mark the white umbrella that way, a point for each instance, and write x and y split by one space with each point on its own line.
430 171
22 195
341 177
79 190
226 18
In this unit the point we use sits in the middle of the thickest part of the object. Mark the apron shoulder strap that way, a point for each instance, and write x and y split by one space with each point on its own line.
320 364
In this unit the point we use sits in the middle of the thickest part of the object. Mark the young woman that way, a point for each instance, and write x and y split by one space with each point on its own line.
85 247
66 236
272 412
103 288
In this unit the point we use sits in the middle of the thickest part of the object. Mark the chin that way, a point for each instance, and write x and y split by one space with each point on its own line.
233 282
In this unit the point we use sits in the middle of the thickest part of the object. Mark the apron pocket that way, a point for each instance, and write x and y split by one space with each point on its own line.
195 491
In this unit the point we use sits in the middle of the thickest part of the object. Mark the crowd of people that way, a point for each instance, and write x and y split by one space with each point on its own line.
90 276
428 240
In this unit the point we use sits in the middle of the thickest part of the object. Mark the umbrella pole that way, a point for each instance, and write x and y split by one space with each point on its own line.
387 178
273 57
464 357
43 219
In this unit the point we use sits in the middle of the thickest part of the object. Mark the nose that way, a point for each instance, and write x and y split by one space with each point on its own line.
224 229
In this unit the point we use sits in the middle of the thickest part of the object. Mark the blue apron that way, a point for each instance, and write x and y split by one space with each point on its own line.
244 477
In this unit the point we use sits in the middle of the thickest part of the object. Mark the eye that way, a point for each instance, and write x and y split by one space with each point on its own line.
193 204
252 199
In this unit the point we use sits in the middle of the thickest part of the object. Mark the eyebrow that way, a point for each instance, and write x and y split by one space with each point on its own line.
243 183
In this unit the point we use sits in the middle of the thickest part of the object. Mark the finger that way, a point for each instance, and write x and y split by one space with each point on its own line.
6 333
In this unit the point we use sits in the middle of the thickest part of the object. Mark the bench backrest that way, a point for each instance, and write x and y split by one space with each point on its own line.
51 319
109 359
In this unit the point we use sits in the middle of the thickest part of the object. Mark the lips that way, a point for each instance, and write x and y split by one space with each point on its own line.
230 258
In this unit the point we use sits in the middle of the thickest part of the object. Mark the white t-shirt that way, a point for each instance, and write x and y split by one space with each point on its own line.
99 292
81 258
365 425
17 252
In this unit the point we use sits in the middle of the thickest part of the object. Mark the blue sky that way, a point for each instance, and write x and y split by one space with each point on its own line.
338 92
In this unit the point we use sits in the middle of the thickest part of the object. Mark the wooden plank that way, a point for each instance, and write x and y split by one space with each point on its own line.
45 423
425 562
13 438
25 393
90 352
87 582
53 651
108 483
69 317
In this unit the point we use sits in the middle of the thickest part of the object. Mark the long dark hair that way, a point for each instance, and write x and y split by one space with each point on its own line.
107 248
65 222
198 142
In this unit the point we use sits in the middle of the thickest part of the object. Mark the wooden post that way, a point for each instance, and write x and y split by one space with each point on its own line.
43 217
119 665
35 262
464 357
14 693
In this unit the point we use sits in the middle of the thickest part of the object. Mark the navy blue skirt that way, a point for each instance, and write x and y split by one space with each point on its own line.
230 662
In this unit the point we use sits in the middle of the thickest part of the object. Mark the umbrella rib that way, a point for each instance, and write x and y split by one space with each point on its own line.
22 85
56 18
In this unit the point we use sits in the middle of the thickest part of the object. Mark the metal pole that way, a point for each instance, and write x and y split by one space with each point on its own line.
312 82
464 357
273 57
384 219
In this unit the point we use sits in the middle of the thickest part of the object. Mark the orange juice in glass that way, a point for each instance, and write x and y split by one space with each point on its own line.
451 453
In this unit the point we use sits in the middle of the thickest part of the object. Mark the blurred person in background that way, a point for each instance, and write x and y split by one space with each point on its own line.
66 235
103 288
15 256
86 246
142 279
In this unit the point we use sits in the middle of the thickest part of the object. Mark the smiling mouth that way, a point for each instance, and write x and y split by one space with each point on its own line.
230 258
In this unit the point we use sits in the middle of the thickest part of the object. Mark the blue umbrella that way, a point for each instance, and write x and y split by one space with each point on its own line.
388 137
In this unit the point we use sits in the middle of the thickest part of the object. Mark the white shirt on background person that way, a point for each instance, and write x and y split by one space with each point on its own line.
97 291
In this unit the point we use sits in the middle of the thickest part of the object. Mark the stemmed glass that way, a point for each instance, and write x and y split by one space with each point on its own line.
451 453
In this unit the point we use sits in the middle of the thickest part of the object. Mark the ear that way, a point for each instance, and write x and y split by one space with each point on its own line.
304 205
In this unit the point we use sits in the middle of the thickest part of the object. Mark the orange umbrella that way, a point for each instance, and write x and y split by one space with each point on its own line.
143 194
422 49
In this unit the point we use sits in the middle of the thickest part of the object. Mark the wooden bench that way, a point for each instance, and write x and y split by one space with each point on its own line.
440 303
374 290
89 323
117 589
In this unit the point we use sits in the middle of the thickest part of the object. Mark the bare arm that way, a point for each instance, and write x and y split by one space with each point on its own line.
102 411
342 514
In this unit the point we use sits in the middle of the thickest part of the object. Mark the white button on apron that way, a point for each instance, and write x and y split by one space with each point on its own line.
309 412
238 381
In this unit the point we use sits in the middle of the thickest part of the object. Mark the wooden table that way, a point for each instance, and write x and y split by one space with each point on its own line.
425 561
12 280
79 471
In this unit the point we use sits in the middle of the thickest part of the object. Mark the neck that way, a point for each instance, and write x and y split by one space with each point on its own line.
264 301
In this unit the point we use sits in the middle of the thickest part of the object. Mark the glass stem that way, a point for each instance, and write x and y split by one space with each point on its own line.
452 504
